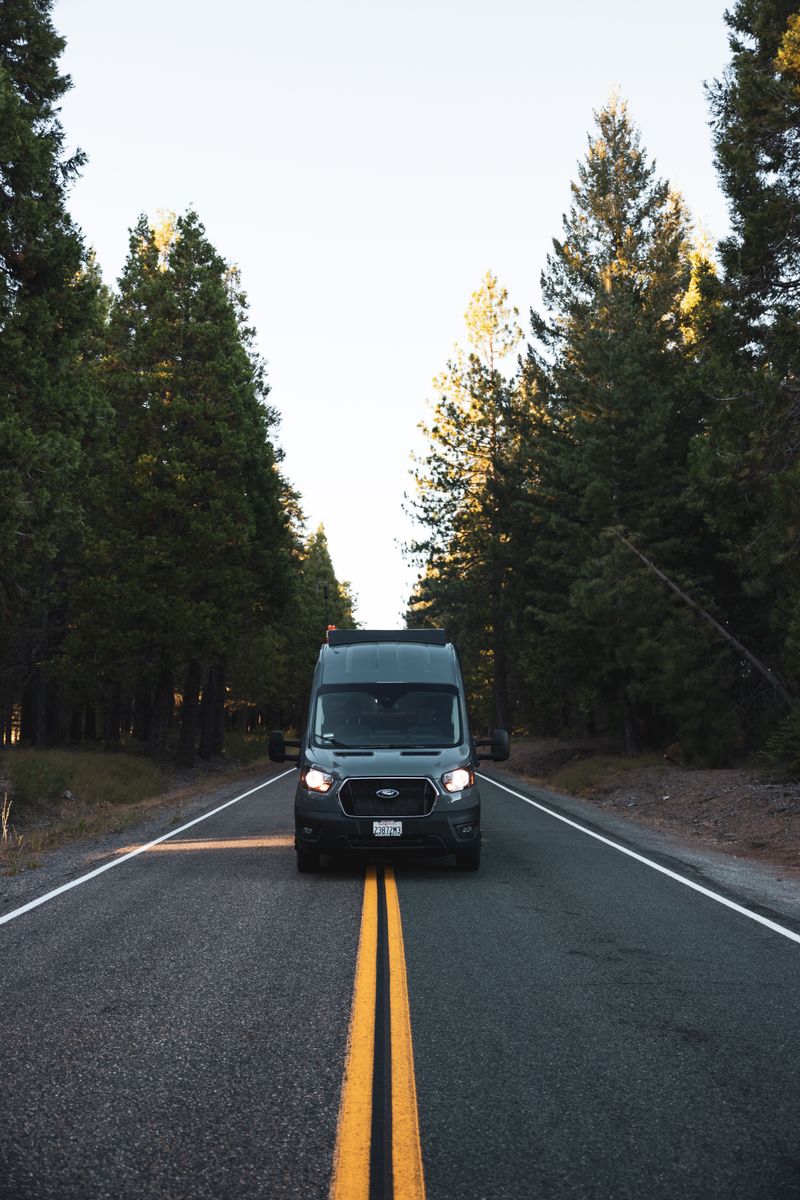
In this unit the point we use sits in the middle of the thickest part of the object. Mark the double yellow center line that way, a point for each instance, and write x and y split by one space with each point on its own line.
378 1154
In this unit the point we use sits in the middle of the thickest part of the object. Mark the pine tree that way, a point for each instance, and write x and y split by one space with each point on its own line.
756 123
50 310
195 555
464 493
273 673
614 404
746 464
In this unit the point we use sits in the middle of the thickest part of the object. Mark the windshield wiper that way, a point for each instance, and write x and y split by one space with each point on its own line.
339 745
403 746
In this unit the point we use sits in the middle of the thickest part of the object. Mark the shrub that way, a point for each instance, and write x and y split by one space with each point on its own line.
39 777
782 751
246 747
35 776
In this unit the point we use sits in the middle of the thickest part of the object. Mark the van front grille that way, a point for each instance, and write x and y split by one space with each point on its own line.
412 797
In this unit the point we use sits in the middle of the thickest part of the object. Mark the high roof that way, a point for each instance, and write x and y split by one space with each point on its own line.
352 637
389 659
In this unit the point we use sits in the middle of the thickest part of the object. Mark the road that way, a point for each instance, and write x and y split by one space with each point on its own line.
583 1026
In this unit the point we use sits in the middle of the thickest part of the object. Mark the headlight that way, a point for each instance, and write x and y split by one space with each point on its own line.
316 780
456 781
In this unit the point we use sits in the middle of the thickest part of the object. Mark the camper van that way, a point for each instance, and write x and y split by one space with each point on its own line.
387 761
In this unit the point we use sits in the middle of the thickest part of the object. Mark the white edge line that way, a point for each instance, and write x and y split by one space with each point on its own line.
115 862
648 862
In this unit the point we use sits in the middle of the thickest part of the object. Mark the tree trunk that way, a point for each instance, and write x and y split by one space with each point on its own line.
500 685
6 710
90 722
126 716
185 754
160 714
56 719
40 707
632 743
111 720
499 668
212 712
218 715
207 705
141 712
26 730
76 724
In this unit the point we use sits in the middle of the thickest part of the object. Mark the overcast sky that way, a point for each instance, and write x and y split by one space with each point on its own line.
365 164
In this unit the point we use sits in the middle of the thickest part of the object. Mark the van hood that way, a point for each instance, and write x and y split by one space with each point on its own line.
396 763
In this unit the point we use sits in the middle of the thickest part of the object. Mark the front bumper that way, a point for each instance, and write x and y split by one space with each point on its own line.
333 832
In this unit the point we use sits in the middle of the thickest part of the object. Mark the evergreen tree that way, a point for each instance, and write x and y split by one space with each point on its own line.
614 403
465 487
746 463
319 600
50 310
756 123
273 673
196 553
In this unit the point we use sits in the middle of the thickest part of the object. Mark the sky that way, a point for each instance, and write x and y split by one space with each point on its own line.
364 165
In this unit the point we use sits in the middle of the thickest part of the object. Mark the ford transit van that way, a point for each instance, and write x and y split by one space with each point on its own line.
387 761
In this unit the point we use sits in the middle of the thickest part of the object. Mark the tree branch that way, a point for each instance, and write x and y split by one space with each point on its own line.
764 670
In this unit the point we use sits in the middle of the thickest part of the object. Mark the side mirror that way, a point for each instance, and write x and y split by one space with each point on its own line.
499 743
501 747
278 745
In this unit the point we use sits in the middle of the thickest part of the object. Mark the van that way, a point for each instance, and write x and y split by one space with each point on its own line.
387 762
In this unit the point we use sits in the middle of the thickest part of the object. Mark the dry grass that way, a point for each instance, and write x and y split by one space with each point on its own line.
44 778
593 774
14 853
58 796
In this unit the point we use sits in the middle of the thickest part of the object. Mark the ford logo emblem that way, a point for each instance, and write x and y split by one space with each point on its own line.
387 793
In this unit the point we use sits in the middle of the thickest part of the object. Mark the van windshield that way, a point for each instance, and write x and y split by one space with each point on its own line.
387 715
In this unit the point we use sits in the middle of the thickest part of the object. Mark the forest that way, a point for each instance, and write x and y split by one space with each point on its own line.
609 504
157 584
608 510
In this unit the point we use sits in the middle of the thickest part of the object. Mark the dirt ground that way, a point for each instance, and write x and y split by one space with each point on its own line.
736 811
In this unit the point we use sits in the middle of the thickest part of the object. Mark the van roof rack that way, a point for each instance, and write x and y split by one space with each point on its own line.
352 637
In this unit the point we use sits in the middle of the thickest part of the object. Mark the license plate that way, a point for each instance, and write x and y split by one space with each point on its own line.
387 828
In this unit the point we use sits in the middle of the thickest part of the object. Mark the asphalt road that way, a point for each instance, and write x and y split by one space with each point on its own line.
582 1025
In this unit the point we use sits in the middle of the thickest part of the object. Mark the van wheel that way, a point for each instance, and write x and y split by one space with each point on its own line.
307 861
468 860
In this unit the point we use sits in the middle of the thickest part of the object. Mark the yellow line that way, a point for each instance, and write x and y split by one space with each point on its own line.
409 1181
354 1133
245 843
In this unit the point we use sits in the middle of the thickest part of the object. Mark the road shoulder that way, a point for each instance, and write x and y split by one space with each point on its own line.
66 862
762 887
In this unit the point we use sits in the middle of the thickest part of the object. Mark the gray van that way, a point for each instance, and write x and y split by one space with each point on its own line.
387 762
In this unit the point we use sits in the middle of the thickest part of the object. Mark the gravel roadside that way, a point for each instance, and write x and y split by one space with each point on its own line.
731 829
193 793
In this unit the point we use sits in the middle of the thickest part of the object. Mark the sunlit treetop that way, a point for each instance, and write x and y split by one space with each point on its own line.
702 265
788 58
165 234
492 329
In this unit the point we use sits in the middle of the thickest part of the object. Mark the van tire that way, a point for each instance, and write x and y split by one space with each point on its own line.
468 860
307 861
